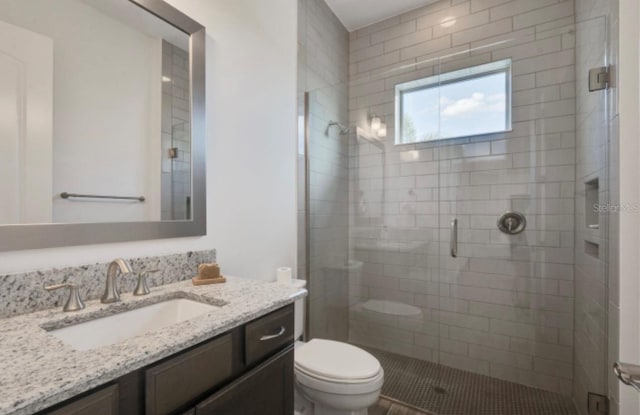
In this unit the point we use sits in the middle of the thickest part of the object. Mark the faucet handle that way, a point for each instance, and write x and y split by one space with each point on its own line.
74 302
142 288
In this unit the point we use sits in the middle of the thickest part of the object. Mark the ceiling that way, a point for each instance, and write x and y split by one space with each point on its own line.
355 14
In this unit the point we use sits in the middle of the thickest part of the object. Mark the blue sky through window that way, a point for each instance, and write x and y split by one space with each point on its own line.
461 108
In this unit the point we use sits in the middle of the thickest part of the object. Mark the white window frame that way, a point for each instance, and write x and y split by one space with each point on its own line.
435 81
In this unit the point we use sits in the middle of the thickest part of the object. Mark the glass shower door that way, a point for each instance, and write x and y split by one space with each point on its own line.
328 268
373 240
523 249
593 357
457 194
394 234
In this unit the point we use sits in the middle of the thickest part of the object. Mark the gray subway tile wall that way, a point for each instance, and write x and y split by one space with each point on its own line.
176 133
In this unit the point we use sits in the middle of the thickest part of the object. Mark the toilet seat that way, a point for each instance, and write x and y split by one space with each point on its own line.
337 367
332 360
340 388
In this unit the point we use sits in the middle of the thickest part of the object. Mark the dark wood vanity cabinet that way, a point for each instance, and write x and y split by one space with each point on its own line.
248 370
101 402
186 377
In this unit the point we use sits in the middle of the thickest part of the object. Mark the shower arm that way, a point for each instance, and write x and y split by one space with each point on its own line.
343 128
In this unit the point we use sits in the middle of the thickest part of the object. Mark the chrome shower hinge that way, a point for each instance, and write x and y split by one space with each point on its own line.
598 78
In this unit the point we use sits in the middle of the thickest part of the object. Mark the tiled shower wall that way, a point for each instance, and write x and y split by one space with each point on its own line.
323 48
176 133
595 287
504 307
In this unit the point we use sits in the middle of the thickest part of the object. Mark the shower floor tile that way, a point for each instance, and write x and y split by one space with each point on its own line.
412 381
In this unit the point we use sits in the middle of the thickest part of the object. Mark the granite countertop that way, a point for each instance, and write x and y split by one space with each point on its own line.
38 370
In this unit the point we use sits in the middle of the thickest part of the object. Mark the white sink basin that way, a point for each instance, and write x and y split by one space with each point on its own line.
122 326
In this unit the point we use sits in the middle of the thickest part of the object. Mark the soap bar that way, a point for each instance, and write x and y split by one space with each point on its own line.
208 274
208 271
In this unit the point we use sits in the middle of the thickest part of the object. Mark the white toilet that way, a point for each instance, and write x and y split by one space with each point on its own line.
333 378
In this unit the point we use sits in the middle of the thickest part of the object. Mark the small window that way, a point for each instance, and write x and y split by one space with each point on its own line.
467 102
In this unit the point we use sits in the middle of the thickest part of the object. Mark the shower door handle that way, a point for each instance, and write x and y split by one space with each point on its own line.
453 244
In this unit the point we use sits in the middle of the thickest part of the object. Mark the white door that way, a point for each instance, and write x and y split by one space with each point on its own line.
26 122
629 106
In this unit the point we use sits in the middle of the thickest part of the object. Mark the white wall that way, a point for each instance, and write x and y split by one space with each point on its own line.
629 196
251 147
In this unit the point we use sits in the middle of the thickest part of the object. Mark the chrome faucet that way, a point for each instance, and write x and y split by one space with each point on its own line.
116 267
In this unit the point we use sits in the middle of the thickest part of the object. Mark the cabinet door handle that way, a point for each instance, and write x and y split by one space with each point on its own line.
273 336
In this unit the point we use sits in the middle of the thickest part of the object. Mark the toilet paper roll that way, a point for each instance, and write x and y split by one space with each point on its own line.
284 275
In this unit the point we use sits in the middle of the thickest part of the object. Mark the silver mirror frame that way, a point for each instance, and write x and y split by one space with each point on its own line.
35 236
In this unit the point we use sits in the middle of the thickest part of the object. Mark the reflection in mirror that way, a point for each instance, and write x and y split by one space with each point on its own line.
95 101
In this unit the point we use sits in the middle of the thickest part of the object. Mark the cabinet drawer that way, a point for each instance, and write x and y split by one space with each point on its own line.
269 334
102 402
180 380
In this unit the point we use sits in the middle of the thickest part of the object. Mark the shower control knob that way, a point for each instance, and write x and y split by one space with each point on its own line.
512 223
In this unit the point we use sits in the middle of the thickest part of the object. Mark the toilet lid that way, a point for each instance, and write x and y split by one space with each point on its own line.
336 360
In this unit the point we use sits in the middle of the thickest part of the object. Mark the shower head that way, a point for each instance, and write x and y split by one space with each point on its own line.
343 129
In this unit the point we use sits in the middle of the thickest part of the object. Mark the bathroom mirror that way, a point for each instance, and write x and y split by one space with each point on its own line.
101 122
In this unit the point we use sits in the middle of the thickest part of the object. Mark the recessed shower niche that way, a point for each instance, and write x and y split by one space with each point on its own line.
592 204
